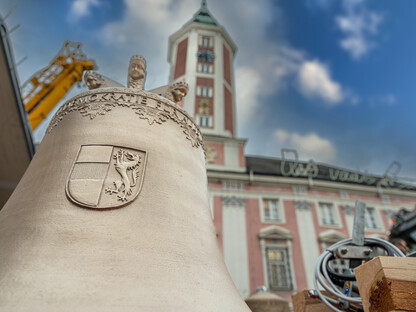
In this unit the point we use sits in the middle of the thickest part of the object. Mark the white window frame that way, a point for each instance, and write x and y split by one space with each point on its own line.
325 217
205 41
276 236
279 211
286 262
344 195
372 218
204 120
205 68
385 199
232 185
330 237
390 213
204 91
300 190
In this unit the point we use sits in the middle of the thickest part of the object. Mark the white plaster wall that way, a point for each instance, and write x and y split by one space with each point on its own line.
235 247
308 243
231 155
349 220
190 77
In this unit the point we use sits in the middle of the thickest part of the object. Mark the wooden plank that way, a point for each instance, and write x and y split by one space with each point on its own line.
387 284
302 303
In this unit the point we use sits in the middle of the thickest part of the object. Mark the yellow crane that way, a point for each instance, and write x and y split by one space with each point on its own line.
44 90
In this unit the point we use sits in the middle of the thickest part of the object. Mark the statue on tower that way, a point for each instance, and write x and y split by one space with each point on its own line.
174 92
94 80
137 72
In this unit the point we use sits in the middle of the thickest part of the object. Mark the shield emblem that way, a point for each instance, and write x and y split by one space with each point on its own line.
106 176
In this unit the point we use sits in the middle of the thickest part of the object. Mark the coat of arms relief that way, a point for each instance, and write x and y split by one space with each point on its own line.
128 166
105 176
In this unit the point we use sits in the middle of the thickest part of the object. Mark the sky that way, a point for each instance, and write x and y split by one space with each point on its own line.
332 79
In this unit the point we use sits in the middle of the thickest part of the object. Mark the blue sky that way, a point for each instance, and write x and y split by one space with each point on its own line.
330 78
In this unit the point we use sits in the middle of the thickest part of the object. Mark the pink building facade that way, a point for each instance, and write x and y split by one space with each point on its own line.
272 228
273 216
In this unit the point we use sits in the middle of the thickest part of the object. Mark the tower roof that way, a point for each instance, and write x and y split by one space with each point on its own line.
202 19
203 15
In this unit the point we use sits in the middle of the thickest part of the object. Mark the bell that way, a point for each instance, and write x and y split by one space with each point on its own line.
112 213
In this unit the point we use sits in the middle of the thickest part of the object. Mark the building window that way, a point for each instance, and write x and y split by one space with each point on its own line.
204 113
300 190
206 41
327 214
204 121
204 68
344 195
204 91
233 186
330 237
278 268
390 214
385 199
370 218
271 211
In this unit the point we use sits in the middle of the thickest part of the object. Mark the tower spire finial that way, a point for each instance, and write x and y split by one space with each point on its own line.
203 3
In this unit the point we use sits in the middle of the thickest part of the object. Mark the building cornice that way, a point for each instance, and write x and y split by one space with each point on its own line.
216 176
219 138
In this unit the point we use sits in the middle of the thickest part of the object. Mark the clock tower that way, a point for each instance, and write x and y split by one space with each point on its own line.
202 53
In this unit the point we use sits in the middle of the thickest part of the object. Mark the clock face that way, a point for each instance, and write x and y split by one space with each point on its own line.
206 55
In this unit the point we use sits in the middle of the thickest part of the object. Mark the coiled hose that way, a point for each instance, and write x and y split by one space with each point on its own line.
323 278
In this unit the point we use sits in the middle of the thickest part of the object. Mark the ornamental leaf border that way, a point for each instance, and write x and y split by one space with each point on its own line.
99 102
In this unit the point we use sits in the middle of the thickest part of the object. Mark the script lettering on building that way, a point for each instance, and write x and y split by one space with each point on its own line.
297 169
294 168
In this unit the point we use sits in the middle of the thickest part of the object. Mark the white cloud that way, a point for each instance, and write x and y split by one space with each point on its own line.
248 85
262 67
385 99
315 81
390 99
81 8
263 76
309 146
144 29
359 26
150 11
281 136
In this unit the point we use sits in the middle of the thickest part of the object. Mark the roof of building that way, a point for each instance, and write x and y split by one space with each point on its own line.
204 16
302 169
16 140
202 19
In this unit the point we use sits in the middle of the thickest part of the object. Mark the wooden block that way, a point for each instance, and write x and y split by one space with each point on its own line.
387 284
302 303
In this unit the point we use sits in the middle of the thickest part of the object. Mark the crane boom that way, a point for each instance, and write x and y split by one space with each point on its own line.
48 86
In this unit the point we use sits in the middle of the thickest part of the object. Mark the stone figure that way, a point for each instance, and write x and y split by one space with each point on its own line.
137 72
176 91
94 80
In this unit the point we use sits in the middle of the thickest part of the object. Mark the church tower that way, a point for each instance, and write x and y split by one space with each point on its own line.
202 53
